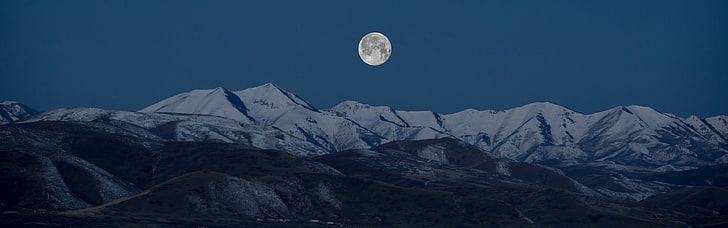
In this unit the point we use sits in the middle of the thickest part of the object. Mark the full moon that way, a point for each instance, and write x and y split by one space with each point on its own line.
374 49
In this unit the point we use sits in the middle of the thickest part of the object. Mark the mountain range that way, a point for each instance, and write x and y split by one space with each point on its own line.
537 132
264 156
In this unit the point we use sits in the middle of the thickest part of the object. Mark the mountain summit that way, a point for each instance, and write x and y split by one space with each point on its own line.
273 97
270 105
216 102
11 111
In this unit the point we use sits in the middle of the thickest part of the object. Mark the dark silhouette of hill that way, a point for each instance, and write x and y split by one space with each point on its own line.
87 174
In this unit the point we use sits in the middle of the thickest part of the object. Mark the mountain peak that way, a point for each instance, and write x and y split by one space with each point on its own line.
270 84
644 115
217 102
538 108
641 108
720 123
350 105
693 118
9 102
12 110
272 96
267 98
720 116
220 88
544 105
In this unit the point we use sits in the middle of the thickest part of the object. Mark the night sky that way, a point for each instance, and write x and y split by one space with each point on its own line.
446 57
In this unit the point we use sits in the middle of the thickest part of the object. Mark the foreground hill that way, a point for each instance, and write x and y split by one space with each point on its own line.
86 174
71 165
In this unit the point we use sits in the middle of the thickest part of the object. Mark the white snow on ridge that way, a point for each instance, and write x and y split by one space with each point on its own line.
214 102
533 132
269 105
719 123
270 100
650 116
11 111
188 127
367 115
709 131
433 152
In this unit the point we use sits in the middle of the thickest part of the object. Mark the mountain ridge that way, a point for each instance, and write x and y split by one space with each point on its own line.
533 132
270 147
11 111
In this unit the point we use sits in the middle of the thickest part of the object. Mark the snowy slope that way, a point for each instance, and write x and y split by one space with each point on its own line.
632 135
185 127
720 124
544 131
386 122
710 131
270 106
216 102
11 111
512 133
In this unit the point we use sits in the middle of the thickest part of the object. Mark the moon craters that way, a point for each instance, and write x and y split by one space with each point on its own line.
374 48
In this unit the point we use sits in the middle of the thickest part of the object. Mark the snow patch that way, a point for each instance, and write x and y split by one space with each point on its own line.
503 168
433 152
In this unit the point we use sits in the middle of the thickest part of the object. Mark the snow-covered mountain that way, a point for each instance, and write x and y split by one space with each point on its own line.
269 105
11 111
544 131
216 102
537 132
714 128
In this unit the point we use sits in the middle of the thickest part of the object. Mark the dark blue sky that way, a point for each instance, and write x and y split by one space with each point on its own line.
588 56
